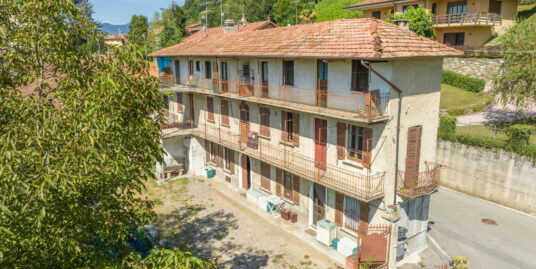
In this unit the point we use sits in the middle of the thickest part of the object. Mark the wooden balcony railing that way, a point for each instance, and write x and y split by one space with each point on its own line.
365 106
362 187
422 183
172 126
478 18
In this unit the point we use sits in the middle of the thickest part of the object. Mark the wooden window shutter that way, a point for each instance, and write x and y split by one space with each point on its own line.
210 108
207 150
339 207
264 119
296 129
413 155
225 112
363 217
231 161
180 107
265 176
296 189
354 75
341 139
284 131
278 181
367 147
191 67
221 162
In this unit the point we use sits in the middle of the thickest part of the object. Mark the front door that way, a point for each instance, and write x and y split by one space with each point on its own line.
413 154
244 122
320 143
191 105
264 79
246 168
319 210
322 84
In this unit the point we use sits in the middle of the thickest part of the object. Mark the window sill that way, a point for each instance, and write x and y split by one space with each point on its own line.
290 144
228 171
265 137
265 190
226 125
353 163
356 92
212 121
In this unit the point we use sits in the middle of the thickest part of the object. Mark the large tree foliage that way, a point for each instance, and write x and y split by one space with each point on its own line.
168 28
77 148
327 10
420 21
137 30
516 84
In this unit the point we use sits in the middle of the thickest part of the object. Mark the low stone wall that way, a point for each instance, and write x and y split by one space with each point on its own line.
480 68
498 176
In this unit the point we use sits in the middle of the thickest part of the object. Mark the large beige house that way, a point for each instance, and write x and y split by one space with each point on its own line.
338 120
465 24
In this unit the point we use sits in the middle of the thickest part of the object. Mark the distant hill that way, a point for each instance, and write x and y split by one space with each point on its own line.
113 29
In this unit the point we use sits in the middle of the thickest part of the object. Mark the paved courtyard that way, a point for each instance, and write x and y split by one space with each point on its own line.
199 214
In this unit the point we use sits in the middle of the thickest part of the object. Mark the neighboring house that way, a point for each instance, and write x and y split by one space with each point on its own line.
116 40
194 28
465 24
311 114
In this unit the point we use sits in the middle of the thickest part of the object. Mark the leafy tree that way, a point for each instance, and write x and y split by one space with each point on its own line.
516 84
77 147
137 30
259 10
420 21
327 10
284 12
307 16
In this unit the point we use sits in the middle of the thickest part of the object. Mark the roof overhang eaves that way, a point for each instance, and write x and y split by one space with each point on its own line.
312 57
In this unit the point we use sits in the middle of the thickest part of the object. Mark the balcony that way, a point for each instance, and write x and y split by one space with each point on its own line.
354 106
362 187
416 184
173 127
469 19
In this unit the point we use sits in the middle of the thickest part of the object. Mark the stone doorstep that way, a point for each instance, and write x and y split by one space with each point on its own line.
296 230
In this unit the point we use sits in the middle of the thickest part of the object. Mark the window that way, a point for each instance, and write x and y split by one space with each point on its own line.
290 127
405 8
190 68
434 8
180 106
287 185
351 213
264 118
355 143
454 39
265 176
208 70
495 7
225 112
227 157
210 108
457 7
288 73
223 71
198 66
377 14
360 77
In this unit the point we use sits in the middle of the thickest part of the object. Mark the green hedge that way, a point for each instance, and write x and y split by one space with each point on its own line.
462 82
447 125
518 136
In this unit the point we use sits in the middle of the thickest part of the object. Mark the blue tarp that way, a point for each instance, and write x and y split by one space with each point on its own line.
162 62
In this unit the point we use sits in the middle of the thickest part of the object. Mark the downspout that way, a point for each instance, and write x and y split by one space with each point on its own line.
397 121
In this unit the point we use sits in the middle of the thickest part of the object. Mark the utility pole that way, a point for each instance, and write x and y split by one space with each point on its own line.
145 45
296 2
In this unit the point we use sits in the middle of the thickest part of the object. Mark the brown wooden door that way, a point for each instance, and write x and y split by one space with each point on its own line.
264 79
320 143
322 81
245 171
191 105
215 75
413 155
224 77
244 122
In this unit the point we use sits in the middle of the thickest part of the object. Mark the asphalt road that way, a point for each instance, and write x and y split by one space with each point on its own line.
456 225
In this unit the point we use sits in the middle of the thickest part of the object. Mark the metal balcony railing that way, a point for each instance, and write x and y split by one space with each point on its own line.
362 187
363 106
422 183
478 18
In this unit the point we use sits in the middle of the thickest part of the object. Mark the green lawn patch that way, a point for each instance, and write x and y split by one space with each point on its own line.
458 101
327 10
525 11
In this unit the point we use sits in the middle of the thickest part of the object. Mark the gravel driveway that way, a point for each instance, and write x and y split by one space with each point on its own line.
198 215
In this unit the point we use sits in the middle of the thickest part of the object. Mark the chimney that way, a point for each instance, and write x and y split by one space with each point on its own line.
228 26
403 23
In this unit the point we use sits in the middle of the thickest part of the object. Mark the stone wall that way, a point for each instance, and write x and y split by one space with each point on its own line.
480 68
498 176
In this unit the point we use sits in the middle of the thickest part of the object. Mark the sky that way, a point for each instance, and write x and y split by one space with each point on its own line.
120 11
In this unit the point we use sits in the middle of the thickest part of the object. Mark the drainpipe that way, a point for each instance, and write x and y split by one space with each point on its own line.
397 121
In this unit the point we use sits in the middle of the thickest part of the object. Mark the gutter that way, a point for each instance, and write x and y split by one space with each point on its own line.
397 121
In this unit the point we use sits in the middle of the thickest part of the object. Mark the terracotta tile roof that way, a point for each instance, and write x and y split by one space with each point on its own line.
368 3
194 25
217 30
365 38
113 37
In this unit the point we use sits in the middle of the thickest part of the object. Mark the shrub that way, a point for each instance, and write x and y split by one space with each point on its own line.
463 82
447 125
518 136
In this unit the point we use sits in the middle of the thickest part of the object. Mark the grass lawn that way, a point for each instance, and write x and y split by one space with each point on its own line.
459 102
